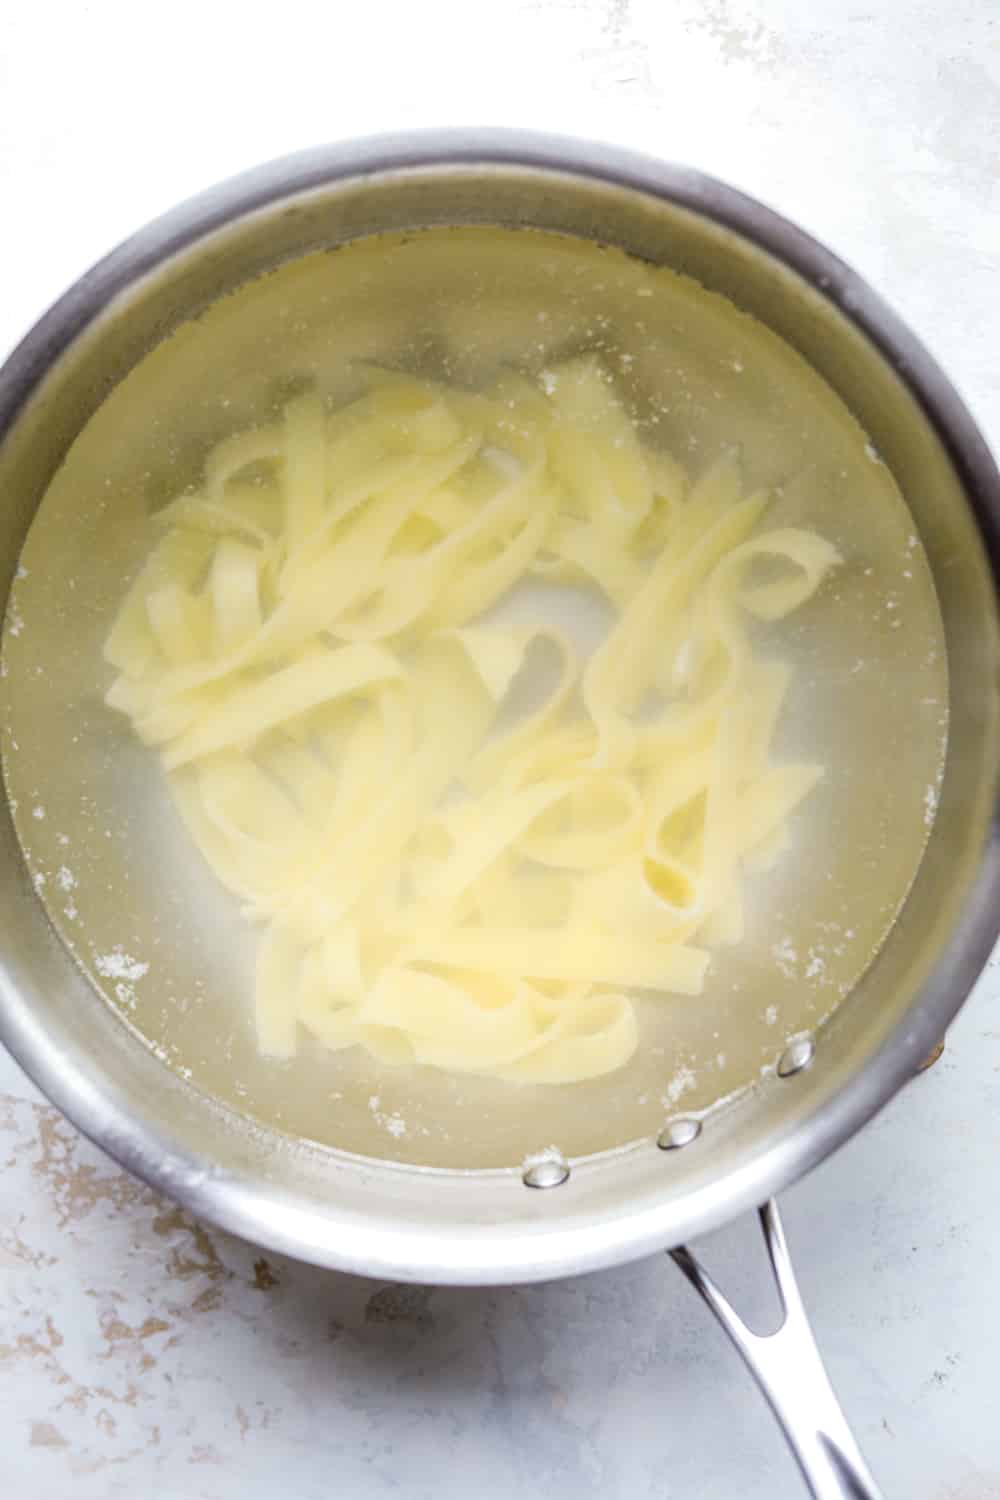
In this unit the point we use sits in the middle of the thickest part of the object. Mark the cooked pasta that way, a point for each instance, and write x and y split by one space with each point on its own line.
449 869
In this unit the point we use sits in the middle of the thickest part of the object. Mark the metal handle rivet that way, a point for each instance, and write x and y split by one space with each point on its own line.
678 1133
796 1056
551 1172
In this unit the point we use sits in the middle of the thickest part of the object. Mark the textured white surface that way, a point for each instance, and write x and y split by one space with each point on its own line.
142 1354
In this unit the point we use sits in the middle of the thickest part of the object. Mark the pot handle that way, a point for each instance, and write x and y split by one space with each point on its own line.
789 1371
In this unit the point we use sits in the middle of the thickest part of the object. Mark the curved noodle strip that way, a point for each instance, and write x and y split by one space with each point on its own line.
255 707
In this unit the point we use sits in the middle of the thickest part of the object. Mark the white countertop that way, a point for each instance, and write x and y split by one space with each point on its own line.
142 1354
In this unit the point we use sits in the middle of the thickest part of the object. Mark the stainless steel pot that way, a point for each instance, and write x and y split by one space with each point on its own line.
383 1219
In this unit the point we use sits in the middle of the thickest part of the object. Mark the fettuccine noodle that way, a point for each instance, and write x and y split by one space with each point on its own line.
442 875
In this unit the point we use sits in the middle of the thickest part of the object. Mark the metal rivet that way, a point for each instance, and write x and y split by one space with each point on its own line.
550 1172
678 1133
796 1056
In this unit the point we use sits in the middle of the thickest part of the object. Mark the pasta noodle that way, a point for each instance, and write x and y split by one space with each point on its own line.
453 866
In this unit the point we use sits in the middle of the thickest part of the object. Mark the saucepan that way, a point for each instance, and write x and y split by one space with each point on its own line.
120 962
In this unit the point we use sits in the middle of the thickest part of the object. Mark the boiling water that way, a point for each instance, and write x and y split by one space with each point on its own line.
128 893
